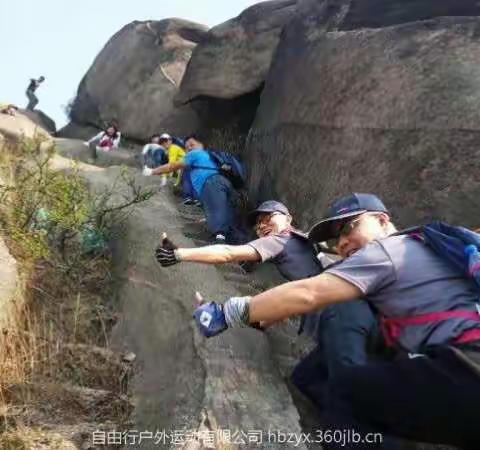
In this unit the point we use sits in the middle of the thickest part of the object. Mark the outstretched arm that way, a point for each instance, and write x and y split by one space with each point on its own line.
281 302
300 297
218 254
168 168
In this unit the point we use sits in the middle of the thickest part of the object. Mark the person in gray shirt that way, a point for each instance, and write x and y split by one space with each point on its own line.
431 392
345 334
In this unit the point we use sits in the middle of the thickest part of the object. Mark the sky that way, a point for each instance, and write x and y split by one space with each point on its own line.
59 39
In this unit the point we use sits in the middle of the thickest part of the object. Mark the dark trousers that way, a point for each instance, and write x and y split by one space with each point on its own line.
432 398
346 334
186 184
32 100
218 199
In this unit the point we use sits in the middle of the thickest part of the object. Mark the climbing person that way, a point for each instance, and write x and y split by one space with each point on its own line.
155 155
175 148
345 334
30 92
106 140
214 190
9 109
175 153
431 391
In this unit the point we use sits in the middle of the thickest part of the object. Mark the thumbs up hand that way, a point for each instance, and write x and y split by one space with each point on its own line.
165 252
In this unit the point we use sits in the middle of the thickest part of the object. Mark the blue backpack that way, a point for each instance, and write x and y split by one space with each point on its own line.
228 166
460 247
457 245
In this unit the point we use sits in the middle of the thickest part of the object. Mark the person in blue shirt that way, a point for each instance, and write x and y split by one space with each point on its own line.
214 190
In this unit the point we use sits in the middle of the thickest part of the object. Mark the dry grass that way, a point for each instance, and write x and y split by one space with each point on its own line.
56 342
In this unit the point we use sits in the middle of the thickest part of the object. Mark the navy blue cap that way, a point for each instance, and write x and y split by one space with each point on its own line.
348 206
269 206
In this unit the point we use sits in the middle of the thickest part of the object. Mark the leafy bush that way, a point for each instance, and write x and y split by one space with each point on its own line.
44 211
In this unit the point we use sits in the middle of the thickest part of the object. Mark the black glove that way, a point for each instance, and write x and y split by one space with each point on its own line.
165 253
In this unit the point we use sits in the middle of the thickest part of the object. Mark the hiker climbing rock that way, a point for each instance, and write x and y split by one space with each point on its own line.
30 92
343 333
175 153
212 186
430 309
106 140
155 155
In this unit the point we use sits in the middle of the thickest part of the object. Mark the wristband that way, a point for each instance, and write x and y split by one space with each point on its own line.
177 254
236 310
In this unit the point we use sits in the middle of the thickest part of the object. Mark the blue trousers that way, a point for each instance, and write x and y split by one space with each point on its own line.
346 334
218 200
186 184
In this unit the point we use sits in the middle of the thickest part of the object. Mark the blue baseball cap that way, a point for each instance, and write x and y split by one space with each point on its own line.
343 208
269 206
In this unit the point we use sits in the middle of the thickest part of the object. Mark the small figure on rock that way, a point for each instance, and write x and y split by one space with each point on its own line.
32 87
9 109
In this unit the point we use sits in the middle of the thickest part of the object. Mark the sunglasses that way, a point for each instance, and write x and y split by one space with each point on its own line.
345 228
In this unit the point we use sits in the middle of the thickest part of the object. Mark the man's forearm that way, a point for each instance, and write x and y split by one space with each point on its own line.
167 168
300 297
212 254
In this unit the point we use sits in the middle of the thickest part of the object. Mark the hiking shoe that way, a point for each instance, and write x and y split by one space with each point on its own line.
189 201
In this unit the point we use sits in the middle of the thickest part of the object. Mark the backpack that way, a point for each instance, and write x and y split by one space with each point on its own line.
460 248
228 166
178 141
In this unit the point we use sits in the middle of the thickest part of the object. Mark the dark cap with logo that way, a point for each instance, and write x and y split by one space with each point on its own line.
269 206
343 208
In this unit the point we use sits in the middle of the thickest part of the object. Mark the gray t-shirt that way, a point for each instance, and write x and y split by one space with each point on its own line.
295 259
293 255
402 277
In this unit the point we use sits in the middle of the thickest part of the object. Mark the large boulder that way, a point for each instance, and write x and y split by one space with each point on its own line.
20 126
225 75
135 77
315 15
391 110
235 56
41 119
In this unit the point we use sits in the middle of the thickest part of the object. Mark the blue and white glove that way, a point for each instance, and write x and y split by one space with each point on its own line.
210 319
214 318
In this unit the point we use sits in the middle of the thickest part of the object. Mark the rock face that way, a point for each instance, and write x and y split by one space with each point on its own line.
347 15
16 127
235 56
187 382
41 119
8 285
391 110
225 76
135 77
